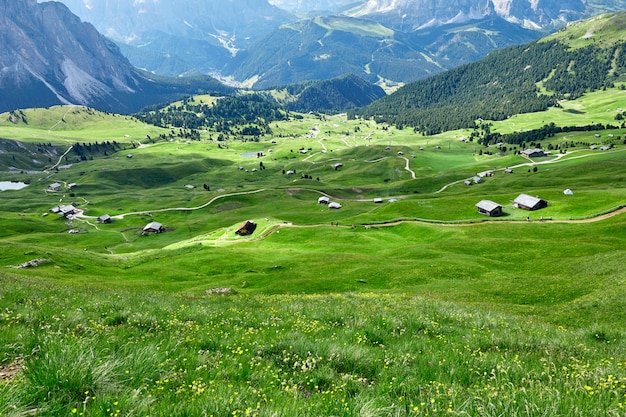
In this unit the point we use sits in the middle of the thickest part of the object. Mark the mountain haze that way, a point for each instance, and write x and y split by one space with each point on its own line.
239 39
327 47
194 35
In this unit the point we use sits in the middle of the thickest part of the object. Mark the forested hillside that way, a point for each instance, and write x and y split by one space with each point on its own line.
336 95
223 114
515 80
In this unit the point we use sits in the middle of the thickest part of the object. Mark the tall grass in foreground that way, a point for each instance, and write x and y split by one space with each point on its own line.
68 351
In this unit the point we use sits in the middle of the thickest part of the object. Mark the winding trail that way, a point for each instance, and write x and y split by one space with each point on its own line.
408 167
59 161
70 108
211 201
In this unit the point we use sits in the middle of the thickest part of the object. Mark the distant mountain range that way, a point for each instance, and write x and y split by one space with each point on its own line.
50 57
266 43
173 37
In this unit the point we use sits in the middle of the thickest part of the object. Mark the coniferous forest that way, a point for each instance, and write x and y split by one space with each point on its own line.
519 79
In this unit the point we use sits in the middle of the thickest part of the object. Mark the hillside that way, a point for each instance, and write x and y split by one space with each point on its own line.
386 271
331 96
405 300
515 80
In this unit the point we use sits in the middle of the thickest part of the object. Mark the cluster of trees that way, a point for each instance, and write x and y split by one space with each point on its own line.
333 96
88 150
503 84
248 115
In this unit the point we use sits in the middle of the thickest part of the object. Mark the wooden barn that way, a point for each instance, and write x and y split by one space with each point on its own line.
527 202
489 208
104 219
247 228
154 227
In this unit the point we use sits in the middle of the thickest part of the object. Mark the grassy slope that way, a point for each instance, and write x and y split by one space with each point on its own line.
66 125
510 283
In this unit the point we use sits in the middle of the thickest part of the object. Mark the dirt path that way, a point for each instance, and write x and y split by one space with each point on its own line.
59 161
408 167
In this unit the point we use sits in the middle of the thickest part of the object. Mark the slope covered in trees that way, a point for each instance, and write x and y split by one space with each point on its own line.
515 80
336 95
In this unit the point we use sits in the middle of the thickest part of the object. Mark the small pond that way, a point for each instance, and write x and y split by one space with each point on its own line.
252 154
12 185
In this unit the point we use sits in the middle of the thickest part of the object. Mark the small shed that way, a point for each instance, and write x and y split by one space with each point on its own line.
477 180
338 166
568 192
489 208
533 153
378 200
467 182
323 200
246 229
154 227
527 202
54 187
334 205
104 219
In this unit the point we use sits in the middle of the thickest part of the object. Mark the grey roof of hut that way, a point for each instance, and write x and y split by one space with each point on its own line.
529 202
487 205
153 226
105 218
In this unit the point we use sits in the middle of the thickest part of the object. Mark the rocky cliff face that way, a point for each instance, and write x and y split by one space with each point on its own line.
50 57
49 52
415 14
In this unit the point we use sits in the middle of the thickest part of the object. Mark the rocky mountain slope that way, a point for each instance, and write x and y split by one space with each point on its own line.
411 15
50 57
175 37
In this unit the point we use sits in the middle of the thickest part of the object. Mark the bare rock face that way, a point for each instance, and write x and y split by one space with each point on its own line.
50 57
50 54
415 14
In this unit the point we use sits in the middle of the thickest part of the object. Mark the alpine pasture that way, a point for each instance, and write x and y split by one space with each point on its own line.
404 302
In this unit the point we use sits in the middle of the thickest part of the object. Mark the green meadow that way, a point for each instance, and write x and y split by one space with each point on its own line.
410 306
